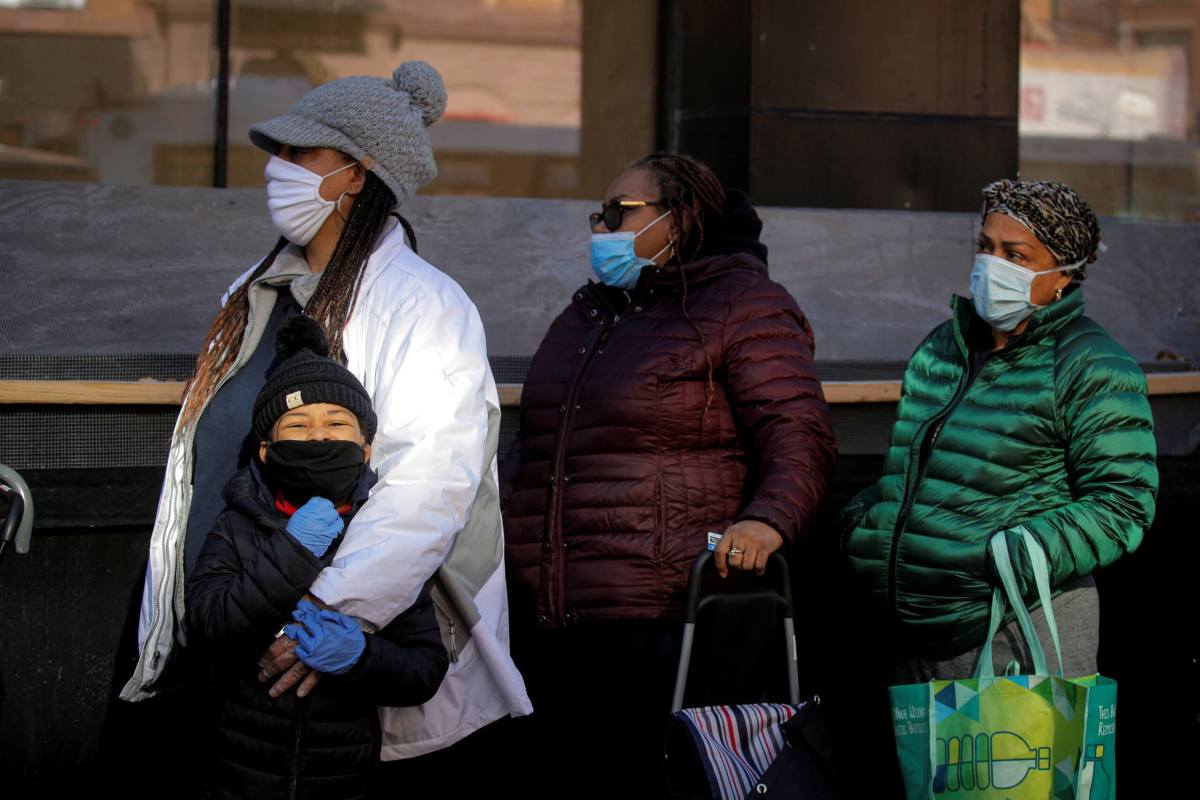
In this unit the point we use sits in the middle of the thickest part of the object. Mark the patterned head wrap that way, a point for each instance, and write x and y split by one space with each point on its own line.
1054 213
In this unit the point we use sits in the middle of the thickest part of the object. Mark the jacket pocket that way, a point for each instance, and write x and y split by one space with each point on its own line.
660 519
854 513
660 538
451 630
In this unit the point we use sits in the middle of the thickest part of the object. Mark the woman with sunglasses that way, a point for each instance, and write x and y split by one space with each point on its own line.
674 396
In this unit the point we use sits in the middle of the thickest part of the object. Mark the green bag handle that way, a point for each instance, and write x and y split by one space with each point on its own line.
985 669
1008 579
1041 576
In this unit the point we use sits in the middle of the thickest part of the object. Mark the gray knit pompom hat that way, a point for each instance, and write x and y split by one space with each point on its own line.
377 122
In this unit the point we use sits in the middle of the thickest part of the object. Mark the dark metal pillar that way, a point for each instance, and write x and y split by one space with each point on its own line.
221 132
855 104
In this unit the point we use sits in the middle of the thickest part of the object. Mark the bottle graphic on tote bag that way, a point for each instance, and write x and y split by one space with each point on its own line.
1095 777
1002 761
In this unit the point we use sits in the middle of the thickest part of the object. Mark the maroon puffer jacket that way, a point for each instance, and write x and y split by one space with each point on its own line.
620 471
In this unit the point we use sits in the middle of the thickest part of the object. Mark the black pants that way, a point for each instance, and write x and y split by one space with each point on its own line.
480 765
601 694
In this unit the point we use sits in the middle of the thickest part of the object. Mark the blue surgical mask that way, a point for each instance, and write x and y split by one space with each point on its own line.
614 260
1001 290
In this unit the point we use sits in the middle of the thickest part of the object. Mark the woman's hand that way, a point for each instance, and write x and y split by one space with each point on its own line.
746 545
281 660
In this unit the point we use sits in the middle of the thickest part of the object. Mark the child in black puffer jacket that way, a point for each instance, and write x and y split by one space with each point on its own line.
283 520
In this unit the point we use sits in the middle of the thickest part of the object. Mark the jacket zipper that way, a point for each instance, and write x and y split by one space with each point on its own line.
157 597
917 467
297 739
452 650
156 602
557 598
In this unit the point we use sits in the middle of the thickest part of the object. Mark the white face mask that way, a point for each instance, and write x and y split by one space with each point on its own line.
294 199
1001 290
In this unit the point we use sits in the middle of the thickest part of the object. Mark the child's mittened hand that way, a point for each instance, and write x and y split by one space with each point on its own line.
315 525
328 641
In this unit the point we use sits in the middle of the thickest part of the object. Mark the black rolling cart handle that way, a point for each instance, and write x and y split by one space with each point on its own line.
696 600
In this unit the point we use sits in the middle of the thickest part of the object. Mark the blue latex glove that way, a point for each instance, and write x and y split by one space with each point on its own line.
326 640
315 525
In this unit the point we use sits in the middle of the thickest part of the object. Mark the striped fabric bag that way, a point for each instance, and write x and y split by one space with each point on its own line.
745 749
734 744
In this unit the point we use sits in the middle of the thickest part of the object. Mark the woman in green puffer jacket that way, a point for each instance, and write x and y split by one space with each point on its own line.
1019 412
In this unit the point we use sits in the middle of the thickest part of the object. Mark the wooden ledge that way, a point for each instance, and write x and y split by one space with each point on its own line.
167 393
150 393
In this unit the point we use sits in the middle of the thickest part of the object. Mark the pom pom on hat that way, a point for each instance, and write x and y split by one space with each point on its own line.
305 374
300 333
425 88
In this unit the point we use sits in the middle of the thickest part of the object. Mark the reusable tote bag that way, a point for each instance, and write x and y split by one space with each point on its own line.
1024 737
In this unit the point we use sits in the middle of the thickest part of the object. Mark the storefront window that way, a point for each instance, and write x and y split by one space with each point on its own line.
117 91
511 67
1110 103
132 93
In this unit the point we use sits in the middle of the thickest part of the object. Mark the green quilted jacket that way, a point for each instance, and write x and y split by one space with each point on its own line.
1053 432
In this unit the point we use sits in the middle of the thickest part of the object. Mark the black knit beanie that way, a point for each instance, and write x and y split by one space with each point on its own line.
305 374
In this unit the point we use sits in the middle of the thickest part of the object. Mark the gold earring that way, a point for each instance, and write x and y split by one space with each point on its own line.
1058 294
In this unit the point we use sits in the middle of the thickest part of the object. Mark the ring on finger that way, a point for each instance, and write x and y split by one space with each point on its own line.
734 551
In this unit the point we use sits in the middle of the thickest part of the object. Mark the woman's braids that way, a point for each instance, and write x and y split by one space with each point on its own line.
337 290
691 192
222 344
330 304
693 195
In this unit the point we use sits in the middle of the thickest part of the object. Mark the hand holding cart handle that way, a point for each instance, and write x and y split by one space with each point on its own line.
782 594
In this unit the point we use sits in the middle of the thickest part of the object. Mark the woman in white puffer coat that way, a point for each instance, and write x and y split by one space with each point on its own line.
343 160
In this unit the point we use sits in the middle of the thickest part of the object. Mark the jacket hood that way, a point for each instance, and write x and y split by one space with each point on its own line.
730 244
735 231
694 273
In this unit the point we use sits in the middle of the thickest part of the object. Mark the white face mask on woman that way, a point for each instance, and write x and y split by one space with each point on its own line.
294 199
1001 290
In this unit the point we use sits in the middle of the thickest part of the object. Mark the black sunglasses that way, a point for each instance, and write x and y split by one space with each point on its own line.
613 214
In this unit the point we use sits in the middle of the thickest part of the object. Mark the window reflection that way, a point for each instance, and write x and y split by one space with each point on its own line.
123 91
1110 102
512 72
118 91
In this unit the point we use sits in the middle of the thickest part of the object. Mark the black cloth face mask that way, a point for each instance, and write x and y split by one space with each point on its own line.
302 470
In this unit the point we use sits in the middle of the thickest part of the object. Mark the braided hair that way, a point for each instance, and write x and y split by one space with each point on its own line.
331 302
691 192
693 195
